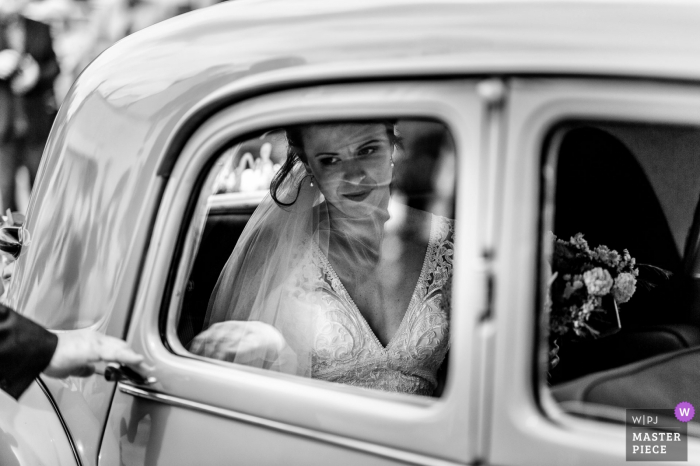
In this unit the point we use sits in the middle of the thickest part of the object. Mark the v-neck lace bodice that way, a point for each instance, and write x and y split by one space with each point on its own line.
346 350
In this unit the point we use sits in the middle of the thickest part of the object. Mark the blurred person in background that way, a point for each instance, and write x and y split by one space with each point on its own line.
28 68
112 20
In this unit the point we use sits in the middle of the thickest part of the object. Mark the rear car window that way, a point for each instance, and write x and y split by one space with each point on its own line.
619 289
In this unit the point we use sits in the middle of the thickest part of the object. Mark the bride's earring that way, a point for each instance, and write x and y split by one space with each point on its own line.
312 181
392 161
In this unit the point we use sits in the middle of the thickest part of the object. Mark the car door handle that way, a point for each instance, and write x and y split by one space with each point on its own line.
13 235
115 372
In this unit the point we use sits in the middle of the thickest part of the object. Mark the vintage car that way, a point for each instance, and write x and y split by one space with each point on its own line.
518 118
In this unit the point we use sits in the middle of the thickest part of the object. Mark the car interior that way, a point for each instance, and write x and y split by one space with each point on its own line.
228 211
224 225
634 187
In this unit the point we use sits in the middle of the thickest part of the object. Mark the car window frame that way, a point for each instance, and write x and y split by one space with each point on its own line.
453 102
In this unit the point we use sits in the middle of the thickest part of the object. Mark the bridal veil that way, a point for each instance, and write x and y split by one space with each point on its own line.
258 283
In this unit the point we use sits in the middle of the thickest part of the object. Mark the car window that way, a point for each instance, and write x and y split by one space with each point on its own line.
621 317
324 250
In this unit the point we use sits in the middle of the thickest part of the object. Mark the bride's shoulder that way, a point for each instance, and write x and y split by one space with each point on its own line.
444 228
427 225
444 222
431 230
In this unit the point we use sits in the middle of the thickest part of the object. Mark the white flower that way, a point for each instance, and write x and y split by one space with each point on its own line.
598 281
588 307
624 288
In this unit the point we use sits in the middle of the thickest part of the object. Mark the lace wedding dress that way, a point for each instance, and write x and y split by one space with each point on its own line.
346 350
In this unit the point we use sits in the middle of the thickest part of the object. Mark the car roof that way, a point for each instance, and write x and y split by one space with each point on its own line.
119 121
242 45
243 38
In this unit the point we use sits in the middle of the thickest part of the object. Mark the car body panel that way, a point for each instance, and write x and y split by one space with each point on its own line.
82 402
31 432
149 435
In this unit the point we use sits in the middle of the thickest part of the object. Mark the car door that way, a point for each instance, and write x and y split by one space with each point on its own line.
652 125
32 430
201 411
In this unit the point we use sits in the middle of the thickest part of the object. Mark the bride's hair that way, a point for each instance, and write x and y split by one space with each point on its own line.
295 152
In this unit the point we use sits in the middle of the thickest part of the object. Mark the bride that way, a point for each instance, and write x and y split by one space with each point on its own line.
333 280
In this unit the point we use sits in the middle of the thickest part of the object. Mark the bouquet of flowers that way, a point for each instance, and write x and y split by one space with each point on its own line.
587 285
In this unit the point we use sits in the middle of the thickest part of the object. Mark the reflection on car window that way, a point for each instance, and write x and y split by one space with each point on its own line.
622 315
341 268
251 165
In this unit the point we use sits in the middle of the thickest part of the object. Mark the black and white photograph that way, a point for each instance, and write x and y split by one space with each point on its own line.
349 232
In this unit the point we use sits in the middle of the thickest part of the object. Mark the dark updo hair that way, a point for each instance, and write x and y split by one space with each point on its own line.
295 151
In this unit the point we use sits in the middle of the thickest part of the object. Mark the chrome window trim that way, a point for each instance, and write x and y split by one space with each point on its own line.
352 444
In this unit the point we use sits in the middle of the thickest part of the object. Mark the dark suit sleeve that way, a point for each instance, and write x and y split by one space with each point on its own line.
26 349
40 47
48 66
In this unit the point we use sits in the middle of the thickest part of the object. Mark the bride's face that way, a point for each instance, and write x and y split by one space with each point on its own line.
351 164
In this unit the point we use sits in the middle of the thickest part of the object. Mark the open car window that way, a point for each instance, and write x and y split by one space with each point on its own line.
324 250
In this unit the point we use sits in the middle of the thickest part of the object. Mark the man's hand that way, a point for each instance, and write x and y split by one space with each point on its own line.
78 351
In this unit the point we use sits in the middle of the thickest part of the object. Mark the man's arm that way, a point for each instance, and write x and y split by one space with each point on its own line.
26 349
